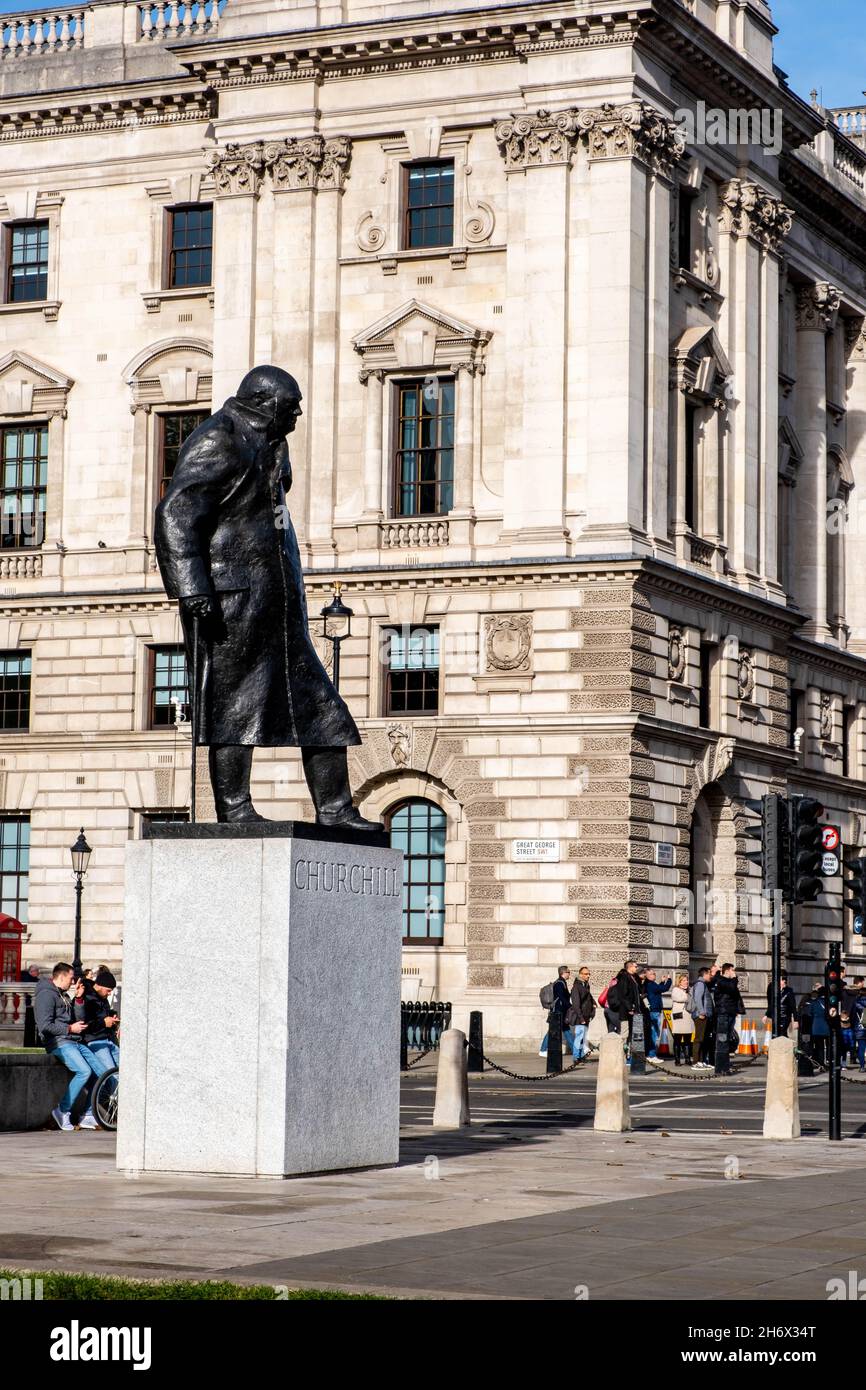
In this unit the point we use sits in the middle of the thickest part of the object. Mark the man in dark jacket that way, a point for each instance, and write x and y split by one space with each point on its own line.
629 997
60 1034
655 991
728 1004
562 1006
227 551
582 1010
101 1019
788 1002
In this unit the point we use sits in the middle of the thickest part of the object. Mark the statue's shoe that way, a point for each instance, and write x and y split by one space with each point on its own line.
233 815
350 820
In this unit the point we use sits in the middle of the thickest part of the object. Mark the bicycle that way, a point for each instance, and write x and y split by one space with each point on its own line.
106 1094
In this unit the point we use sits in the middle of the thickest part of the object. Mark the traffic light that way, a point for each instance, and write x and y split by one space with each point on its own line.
833 987
807 848
854 888
772 832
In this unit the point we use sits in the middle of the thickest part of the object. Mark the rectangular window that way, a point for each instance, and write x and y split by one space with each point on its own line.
25 482
411 670
15 866
27 265
429 205
168 687
15 691
690 480
190 246
796 715
684 230
424 464
174 430
705 694
849 747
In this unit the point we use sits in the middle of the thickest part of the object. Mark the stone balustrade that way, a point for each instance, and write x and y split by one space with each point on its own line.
411 535
14 998
177 19
46 31
18 566
851 120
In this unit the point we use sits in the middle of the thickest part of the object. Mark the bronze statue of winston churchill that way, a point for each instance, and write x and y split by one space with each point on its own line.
227 551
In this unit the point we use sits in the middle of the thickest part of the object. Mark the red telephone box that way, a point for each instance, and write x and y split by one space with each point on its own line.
11 932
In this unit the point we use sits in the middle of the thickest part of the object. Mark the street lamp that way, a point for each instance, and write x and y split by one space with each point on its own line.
81 853
337 620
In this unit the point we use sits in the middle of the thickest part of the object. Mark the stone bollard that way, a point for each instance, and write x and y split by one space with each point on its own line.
451 1110
782 1104
611 1091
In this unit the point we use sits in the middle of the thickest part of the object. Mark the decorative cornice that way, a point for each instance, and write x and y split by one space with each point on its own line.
817 307
749 210
526 141
83 113
633 131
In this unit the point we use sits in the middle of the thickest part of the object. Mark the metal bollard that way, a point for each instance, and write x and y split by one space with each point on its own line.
554 1042
475 1060
30 1039
404 1046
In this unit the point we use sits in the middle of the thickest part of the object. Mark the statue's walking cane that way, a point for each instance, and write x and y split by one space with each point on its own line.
194 718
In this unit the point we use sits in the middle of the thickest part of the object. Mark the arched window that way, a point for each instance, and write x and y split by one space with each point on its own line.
418 829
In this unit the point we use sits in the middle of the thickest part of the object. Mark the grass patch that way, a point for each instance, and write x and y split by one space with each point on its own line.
66 1288
22 1049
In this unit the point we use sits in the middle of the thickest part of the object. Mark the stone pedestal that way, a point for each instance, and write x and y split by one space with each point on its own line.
782 1103
611 1091
261 1001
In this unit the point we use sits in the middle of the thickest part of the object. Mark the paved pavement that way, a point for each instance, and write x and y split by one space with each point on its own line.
529 1203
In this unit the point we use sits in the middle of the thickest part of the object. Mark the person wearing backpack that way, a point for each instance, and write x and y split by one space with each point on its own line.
699 1004
729 1003
559 993
609 1001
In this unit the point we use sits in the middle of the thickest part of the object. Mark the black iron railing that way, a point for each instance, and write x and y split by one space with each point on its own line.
421 1027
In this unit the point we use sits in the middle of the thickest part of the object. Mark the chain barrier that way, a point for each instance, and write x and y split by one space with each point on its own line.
545 1076
420 1057
820 1067
686 1074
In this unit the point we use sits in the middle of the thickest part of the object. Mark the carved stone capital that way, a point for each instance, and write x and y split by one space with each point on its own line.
633 131
527 142
470 368
310 163
749 210
237 169
817 307
378 373
855 339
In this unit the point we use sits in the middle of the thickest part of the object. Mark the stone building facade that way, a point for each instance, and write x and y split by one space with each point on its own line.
616 588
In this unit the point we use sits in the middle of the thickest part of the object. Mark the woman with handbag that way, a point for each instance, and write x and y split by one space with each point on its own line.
681 1020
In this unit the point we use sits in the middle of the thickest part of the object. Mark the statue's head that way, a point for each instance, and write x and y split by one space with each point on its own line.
273 393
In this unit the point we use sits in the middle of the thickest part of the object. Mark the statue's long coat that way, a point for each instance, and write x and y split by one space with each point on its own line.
223 529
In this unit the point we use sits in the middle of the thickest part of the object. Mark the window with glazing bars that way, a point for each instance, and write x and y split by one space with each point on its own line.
27 266
191 247
169 687
15 866
418 828
424 463
174 430
15 691
428 204
25 483
412 670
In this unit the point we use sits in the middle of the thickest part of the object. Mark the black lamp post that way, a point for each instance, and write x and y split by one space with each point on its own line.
337 619
81 853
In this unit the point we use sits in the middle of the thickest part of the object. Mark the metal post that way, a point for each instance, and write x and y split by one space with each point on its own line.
835 1072
76 955
554 1041
637 1046
404 1046
475 1058
335 643
194 719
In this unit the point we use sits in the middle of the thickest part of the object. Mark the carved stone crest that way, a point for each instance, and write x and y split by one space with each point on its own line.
676 654
745 675
508 641
399 736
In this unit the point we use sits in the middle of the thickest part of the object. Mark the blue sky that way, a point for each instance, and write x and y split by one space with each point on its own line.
822 43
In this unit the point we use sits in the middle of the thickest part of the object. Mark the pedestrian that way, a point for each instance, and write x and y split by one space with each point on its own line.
561 1005
582 1011
100 1017
728 1004
858 1019
609 1001
60 1032
820 1028
788 1004
804 1024
655 991
681 1021
630 1000
30 976
701 1009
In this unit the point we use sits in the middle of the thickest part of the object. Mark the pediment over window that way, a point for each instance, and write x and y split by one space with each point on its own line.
31 387
790 451
418 336
842 472
699 365
174 371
